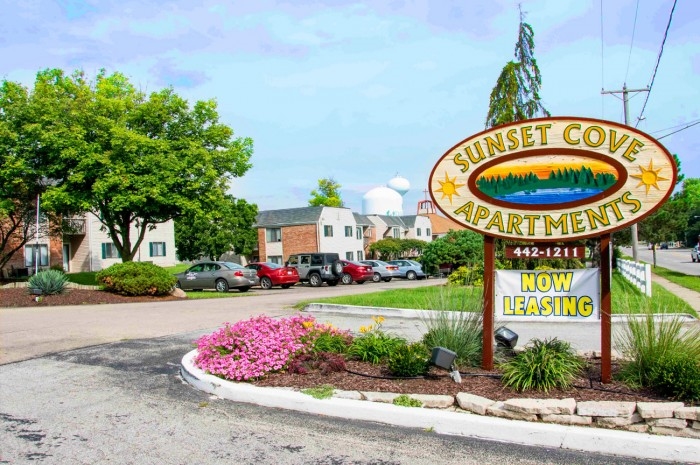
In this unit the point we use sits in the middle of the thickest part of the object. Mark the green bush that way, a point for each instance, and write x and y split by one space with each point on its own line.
405 400
676 376
646 339
467 276
409 360
332 342
543 365
49 282
136 278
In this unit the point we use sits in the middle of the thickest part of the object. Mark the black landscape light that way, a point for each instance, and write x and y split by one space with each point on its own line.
443 358
506 338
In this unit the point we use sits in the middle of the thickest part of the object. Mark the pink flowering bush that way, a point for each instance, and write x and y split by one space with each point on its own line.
251 348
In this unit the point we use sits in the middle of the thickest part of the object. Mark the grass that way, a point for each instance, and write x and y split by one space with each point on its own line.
626 299
690 282
320 392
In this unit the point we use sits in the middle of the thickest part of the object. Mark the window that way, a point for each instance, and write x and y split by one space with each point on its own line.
348 231
30 254
305 260
397 233
109 250
418 232
275 259
293 260
156 249
328 230
427 232
273 234
358 233
360 255
349 255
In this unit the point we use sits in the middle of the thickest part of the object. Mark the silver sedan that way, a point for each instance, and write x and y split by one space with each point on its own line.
221 276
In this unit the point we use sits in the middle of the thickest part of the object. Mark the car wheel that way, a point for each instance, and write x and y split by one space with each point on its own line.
337 268
346 278
315 280
179 286
332 282
286 286
244 289
386 280
265 282
377 277
221 285
411 275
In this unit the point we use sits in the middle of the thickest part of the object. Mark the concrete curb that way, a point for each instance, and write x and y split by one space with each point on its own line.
420 314
597 440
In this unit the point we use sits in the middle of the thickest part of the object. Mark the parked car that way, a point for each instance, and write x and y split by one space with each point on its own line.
317 268
221 276
409 269
274 274
383 271
695 253
355 271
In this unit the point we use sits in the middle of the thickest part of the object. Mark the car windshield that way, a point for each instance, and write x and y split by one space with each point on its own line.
233 266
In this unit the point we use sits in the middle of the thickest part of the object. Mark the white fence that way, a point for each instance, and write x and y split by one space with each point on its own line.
637 273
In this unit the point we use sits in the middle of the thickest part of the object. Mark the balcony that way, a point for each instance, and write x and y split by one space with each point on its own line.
74 226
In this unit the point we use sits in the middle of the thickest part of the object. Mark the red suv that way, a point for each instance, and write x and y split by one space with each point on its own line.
355 271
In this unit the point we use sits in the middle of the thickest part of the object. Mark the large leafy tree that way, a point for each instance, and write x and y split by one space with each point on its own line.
22 175
134 160
327 194
516 95
675 220
224 229
457 248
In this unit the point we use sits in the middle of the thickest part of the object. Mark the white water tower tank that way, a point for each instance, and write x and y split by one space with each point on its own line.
399 184
382 201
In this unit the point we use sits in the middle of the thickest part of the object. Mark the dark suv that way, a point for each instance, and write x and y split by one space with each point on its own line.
317 268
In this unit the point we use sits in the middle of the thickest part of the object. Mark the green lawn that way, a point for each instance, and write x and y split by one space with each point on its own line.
691 282
625 299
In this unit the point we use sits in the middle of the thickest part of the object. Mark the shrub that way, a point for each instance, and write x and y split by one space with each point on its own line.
409 360
331 340
676 376
543 365
459 331
407 401
644 340
374 345
49 282
136 278
467 276
251 348
326 362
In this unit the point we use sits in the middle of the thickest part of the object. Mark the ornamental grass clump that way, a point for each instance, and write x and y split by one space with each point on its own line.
49 282
373 345
250 349
542 366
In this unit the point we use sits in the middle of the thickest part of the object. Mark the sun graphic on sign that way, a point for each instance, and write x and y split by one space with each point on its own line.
448 187
649 176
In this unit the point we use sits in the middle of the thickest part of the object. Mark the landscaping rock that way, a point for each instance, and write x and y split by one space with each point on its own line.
542 406
352 395
473 403
689 413
434 401
668 422
614 422
606 408
498 410
658 409
385 397
567 419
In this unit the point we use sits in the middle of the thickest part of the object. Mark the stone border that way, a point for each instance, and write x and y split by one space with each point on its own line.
500 421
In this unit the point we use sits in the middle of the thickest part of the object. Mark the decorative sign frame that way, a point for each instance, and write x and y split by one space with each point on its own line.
553 179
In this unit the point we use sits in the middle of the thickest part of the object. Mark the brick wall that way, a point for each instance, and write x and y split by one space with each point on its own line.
298 239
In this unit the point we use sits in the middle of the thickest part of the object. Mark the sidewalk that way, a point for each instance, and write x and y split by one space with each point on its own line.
689 295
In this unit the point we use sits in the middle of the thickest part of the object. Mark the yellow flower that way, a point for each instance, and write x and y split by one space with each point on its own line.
363 329
308 324
378 319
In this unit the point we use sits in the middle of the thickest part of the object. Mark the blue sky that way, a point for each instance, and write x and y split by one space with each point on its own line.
360 91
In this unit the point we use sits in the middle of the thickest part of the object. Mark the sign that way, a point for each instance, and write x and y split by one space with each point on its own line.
545 251
553 179
552 295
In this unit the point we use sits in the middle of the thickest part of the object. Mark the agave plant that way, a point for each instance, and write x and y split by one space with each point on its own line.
49 282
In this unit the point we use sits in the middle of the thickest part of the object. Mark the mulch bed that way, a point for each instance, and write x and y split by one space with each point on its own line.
20 297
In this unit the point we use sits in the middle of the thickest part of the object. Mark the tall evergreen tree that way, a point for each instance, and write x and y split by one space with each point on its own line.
516 95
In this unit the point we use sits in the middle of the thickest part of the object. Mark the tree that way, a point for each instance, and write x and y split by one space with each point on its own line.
133 160
387 249
327 194
22 177
456 248
516 94
225 229
675 220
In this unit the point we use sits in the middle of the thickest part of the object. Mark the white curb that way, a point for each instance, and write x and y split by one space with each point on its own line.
598 440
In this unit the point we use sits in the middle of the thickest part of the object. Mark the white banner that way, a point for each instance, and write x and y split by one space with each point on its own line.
552 295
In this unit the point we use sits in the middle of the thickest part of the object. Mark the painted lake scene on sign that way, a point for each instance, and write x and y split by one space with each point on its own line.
546 180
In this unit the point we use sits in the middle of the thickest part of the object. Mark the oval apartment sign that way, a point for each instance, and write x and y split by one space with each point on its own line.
553 179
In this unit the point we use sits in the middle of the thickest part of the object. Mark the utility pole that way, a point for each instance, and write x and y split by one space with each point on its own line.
625 105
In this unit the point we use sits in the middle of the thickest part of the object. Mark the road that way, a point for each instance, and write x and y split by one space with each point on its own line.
673 259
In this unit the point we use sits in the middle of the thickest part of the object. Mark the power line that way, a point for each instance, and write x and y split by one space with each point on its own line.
634 28
679 130
658 60
687 123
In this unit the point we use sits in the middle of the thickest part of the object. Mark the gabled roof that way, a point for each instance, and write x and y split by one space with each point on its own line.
392 221
442 225
362 220
289 216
